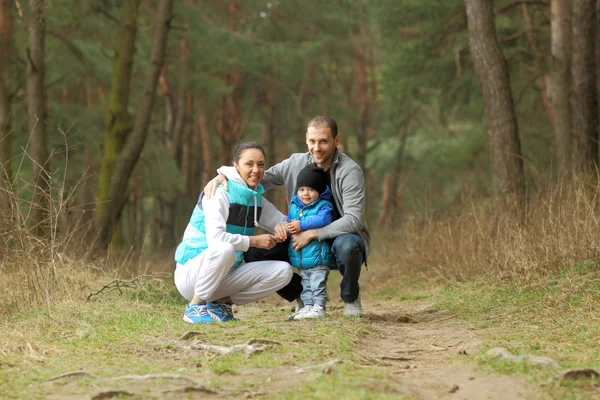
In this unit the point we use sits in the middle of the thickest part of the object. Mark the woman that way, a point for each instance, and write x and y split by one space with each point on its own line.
210 273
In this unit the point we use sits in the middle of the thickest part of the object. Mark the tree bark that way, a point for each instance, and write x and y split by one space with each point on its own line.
560 82
135 142
36 116
118 121
490 65
5 106
584 101
388 216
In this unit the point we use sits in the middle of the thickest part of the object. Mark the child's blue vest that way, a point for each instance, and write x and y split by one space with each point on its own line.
316 252
240 221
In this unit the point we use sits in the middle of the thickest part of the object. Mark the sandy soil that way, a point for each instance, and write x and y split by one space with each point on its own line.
424 350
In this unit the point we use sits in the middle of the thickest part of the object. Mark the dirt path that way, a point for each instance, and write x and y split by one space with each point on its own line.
422 349
415 345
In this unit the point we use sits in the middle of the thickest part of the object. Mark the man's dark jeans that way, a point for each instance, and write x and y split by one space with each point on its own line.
349 252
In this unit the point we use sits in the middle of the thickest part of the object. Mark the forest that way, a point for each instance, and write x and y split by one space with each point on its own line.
475 123
115 113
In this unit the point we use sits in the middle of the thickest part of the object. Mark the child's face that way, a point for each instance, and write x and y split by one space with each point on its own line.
307 194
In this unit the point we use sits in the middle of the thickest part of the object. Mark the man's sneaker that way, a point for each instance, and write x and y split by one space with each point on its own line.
315 311
299 305
300 313
220 312
196 313
353 308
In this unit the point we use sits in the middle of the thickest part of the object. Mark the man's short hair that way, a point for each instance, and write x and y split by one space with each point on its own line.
324 121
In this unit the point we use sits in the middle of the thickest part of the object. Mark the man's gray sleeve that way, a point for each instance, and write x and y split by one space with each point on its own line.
353 207
274 176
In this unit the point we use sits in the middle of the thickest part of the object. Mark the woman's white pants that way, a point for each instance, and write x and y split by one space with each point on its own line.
210 276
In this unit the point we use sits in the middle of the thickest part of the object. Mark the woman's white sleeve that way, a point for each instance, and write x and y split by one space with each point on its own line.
270 216
216 212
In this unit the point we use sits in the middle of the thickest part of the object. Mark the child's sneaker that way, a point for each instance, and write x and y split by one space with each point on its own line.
300 313
315 311
196 313
220 312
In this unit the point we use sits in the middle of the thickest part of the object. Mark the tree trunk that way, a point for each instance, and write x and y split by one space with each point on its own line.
5 106
490 65
207 154
584 102
560 82
118 120
36 116
388 216
135 142
538 61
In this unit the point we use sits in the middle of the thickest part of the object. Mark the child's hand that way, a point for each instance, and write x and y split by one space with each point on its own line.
293 226
281 231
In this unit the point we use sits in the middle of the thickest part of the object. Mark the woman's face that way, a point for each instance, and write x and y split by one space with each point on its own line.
251 167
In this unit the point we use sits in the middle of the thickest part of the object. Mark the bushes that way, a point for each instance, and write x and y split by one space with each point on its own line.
558 229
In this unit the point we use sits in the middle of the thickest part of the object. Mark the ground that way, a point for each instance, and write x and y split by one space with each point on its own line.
416 341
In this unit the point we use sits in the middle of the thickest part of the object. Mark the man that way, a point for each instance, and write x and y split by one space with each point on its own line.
350 234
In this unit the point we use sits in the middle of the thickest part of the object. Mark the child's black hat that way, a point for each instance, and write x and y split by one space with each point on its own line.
313 177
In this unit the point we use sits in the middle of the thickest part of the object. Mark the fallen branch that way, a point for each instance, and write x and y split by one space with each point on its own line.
248 347
72 373
323 367
397 358
118 284
112 393
155 376
443 319
190 389
189 335
130 377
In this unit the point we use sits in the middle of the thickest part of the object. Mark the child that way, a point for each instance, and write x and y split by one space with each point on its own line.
311 208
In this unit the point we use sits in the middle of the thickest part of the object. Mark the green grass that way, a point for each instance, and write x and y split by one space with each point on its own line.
136 333
557 318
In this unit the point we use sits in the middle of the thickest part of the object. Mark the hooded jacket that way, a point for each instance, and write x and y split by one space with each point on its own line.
229 216
316 214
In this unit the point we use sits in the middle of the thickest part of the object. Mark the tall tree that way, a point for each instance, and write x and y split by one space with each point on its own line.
127 159
5 100
559 81
36 114
584 100
118 121
503 136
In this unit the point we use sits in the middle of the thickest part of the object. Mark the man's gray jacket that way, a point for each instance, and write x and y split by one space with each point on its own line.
347 186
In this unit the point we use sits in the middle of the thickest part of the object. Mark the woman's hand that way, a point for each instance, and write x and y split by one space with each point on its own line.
281 232
265 241
293 226
211 187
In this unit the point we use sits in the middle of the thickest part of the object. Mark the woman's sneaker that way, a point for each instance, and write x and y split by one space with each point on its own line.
196 313
220 312
300 313
315 311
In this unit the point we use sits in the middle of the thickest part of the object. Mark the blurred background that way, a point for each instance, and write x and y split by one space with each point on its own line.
114 114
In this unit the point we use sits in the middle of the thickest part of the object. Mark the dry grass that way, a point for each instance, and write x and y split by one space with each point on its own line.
558 230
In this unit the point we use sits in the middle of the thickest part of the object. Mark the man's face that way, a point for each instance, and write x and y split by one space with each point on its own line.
321 145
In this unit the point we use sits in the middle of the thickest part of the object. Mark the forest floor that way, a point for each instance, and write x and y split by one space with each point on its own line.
416 340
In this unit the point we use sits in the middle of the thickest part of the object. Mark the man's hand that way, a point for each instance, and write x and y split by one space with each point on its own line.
293 226
211 187
281 232
299 240
265 241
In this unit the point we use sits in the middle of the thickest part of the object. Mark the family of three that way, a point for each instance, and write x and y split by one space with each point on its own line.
221 262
